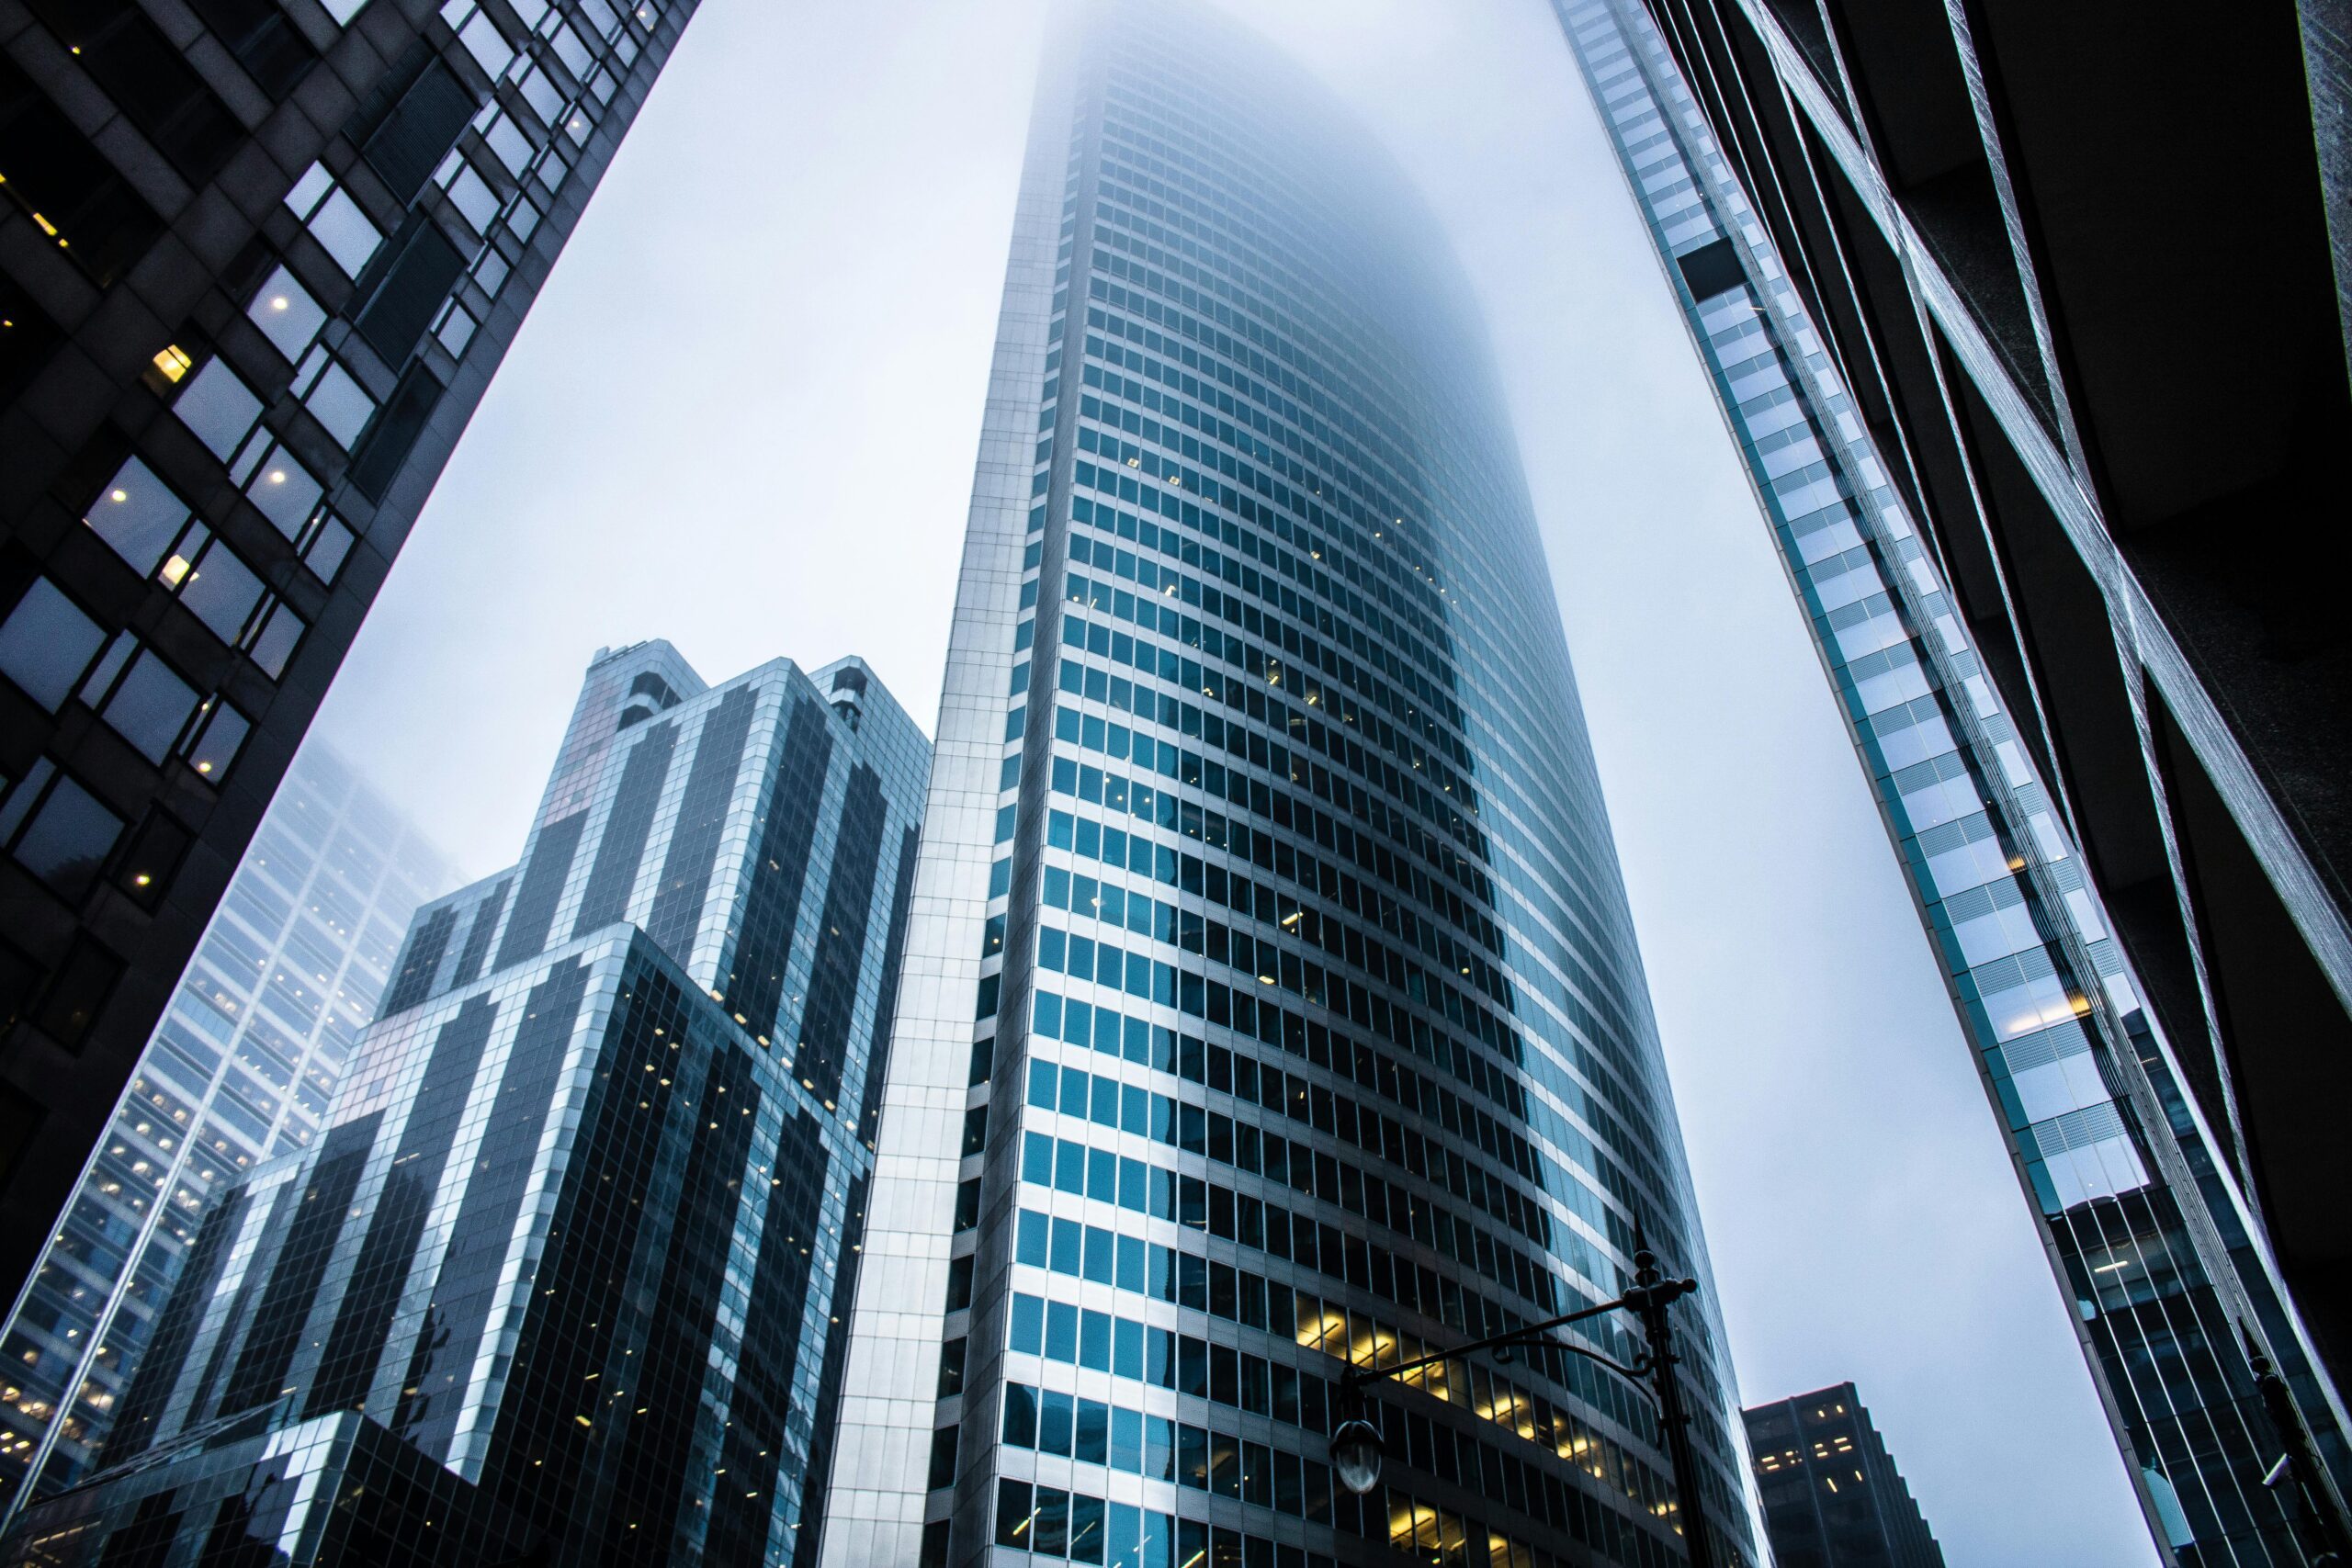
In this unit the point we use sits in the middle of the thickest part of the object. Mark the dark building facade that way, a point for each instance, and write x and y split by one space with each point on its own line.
557 1283
258 262
2152 1233
1832 1495
2081 270
1271 1002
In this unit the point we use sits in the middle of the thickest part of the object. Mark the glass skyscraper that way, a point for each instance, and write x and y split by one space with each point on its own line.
557 1283
2151 1236
241 1071
1271 1002
259 260
1832 1495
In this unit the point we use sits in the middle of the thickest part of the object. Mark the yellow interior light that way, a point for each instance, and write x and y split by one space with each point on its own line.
173 362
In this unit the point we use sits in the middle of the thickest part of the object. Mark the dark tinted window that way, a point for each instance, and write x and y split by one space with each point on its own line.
70 187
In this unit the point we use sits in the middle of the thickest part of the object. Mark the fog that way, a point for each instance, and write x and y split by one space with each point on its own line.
743 416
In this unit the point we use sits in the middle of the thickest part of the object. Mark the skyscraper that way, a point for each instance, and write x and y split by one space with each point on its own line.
558 1282
2158 1242
1832 1495
2085 273
258 262
241 1071
1265 847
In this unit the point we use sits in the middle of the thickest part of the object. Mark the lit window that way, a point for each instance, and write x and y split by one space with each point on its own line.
287 314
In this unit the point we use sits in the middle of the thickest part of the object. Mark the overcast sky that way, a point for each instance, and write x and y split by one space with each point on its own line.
743 415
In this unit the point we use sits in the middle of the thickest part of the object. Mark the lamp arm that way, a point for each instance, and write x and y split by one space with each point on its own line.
1534 1333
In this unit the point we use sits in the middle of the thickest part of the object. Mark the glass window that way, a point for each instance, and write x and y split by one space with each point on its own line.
68 839
287 314
472 195
571 52
150 707
217 744
482 41
328 548
77 991
273 644
506 140
285 492
223 591
457 328
46 643
541 94
138 515
340 405
220 408
345 232
310 190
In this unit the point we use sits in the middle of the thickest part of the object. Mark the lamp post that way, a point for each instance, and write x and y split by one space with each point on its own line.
1356 1442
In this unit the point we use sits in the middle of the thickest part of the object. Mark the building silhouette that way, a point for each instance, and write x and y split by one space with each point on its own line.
2164 1240
1272 999
558 1282
258 262
1832 1495
242 1068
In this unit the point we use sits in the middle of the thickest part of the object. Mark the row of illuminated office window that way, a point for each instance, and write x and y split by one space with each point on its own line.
1150 1271
1097 1432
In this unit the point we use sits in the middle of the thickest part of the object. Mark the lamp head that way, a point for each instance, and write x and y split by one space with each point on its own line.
1355 1454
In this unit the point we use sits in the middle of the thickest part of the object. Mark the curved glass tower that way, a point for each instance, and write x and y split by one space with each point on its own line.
1266 849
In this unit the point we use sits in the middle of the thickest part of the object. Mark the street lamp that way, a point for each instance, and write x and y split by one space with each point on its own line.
1356 1442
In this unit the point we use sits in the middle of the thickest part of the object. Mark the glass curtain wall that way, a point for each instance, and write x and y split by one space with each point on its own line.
1266 846
241 1071
2147 1235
